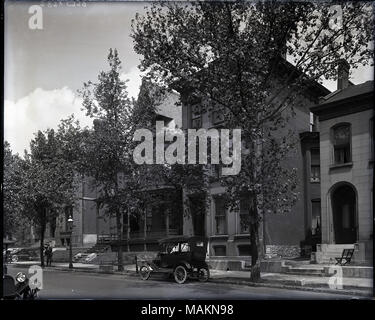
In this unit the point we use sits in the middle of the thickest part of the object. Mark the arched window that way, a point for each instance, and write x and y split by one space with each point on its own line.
341 143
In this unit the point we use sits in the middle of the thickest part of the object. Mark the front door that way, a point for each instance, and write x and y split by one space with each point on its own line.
344 215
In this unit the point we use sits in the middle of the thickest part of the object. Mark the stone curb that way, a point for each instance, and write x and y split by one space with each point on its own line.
283 284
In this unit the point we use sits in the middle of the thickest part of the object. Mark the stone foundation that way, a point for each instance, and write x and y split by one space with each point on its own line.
284 251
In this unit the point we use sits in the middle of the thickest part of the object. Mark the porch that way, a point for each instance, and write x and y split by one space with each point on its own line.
137 241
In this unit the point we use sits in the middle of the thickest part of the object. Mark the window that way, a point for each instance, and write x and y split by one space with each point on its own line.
172 248
171 220
217 116
216 171
196 116
341 144
148 219
185 247
244 216
315 174
315 217
315 166
313 122
220 250
244 250
220 216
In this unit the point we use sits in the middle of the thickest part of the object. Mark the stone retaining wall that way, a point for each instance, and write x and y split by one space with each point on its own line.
284 251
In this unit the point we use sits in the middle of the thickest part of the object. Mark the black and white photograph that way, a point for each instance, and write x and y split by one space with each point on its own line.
188 150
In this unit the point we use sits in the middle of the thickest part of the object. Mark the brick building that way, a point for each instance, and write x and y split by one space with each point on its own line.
346 164
283 234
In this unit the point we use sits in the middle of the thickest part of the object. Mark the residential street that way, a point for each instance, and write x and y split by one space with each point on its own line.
80 285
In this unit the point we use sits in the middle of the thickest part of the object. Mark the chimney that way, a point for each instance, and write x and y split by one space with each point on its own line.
342 74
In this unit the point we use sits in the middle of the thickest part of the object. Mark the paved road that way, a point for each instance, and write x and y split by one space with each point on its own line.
80 285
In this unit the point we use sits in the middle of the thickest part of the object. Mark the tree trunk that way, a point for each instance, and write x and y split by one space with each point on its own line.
119 236
188 227
128 232
254 241
42 232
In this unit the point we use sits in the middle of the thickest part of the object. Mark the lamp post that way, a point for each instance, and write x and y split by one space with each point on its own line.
70 227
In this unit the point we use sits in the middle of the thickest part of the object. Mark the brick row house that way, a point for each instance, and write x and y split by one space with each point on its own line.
285 234
346 130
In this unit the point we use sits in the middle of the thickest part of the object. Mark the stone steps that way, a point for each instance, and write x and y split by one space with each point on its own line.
307 270
227 265
326 253
327 270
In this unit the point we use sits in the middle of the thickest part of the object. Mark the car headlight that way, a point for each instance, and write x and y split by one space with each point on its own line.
20 277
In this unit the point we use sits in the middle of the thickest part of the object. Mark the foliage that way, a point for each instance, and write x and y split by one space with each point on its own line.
232 56
108 147
48 182
12 182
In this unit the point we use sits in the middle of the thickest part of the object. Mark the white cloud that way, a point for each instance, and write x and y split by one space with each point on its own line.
135 79
42 109
39 110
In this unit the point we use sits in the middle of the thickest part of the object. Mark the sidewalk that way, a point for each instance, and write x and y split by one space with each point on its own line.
56 265
350 286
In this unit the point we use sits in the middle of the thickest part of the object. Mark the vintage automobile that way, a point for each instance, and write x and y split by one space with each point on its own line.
18 288
25 254
180 257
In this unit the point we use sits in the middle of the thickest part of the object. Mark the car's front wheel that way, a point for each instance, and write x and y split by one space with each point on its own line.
203 274
144 272
180 274
30 294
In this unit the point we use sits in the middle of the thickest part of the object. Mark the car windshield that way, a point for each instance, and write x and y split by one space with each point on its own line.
169 248
173 248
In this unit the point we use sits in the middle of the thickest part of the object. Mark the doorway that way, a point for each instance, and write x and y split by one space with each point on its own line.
344 214
198 210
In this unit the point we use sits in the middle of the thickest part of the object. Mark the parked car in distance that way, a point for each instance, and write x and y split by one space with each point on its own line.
25 254
11 251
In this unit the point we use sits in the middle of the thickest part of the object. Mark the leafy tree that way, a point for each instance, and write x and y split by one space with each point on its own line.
232 55
107 147
12 182
48 181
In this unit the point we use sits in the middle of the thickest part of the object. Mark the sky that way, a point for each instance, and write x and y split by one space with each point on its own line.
45 68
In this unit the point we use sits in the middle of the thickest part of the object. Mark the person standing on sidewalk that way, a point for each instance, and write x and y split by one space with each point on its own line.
49 255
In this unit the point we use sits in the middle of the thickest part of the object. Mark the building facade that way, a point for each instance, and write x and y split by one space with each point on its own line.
283 234
347 159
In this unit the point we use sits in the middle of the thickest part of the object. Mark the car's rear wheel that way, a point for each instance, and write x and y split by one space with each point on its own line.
180 274
144 272
203 274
